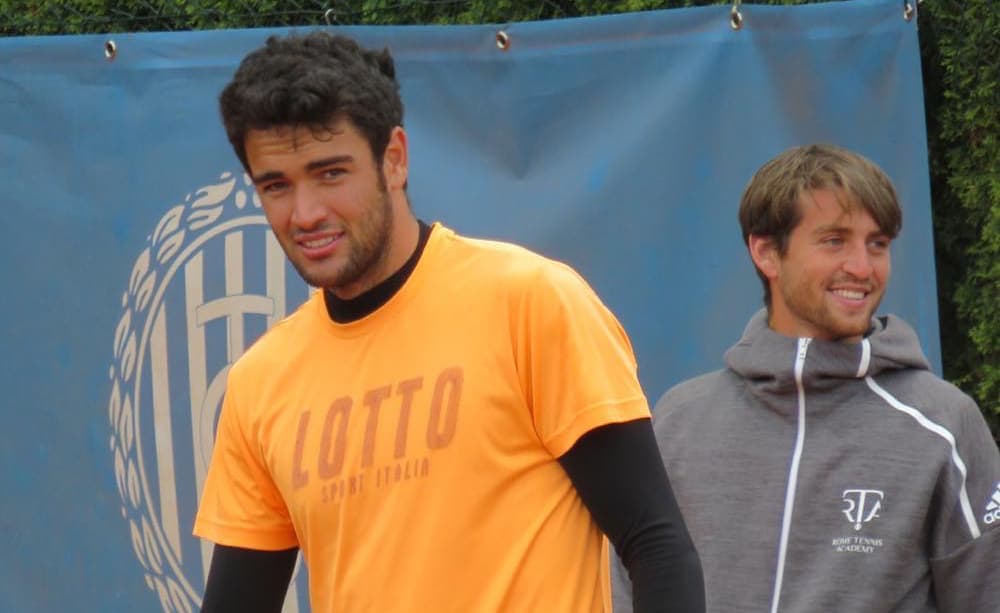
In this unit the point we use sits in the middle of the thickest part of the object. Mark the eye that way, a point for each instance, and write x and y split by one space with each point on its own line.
879 244
273 187
332 173
832 241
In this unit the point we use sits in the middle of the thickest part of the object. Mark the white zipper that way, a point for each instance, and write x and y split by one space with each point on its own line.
866 358
793 472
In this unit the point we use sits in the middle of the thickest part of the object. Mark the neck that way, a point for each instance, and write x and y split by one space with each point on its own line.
345 311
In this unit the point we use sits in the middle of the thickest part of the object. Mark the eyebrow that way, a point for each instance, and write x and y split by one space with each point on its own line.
330 161
311 166
267 176
832 227
840 228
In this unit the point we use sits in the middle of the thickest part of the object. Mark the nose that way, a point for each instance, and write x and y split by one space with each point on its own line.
858 262
307 209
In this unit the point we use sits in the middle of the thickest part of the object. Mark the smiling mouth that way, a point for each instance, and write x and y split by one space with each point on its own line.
850 294
319 246
319 242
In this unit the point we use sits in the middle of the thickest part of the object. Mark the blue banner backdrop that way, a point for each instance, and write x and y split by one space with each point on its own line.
137 263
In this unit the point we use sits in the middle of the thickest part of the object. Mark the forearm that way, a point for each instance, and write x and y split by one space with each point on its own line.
619 474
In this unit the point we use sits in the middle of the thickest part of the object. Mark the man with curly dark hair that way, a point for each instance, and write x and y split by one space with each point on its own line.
447 424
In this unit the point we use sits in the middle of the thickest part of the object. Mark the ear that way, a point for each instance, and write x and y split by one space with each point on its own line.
395 162
764 254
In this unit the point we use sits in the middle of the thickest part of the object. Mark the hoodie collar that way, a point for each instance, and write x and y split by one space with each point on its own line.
766 359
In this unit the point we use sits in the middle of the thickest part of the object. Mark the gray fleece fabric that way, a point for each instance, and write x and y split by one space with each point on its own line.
866 485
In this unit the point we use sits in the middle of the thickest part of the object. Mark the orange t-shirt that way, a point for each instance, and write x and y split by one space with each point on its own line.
412 454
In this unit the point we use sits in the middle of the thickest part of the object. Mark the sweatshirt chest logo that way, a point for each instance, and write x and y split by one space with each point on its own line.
862 506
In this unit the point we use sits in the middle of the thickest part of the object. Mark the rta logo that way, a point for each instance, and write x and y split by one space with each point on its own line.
862 506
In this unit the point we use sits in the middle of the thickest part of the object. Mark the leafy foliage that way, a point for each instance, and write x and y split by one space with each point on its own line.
960 44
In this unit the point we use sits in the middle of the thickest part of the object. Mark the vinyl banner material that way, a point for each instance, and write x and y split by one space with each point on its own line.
137 264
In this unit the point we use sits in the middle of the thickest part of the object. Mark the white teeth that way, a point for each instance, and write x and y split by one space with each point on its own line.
849 294
321 242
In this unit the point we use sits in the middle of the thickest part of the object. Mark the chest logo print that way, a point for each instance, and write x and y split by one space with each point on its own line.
862 506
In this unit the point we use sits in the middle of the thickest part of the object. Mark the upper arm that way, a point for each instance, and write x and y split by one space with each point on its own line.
241 505
969 579
967 484
575 361
965 565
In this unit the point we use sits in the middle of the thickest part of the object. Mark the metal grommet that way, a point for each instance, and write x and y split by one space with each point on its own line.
503 40
110 50
908 11
735 16
736 20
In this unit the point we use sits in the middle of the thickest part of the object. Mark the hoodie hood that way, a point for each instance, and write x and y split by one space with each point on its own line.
766 359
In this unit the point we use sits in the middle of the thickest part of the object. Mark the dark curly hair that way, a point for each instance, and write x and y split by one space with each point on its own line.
313 80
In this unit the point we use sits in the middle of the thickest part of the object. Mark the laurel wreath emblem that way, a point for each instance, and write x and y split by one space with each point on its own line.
178 227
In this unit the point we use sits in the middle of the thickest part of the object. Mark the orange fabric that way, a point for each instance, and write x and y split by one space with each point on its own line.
412 454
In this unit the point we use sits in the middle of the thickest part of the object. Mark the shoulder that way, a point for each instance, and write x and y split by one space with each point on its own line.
509 258
508 267
696 395
921 393
919 406
699 390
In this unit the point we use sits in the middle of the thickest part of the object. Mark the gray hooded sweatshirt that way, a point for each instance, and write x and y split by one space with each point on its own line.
821 477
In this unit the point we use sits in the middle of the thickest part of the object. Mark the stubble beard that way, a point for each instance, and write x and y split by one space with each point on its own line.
821 316
368 247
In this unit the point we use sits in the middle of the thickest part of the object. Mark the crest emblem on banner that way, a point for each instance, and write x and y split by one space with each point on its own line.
210 280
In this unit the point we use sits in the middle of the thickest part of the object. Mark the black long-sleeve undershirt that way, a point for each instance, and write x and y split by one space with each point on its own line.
618 473
248 580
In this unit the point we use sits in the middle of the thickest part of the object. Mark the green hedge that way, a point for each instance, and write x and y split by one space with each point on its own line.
960 44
